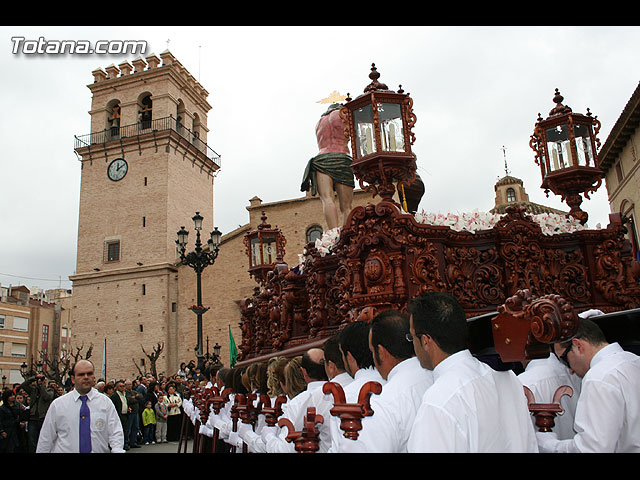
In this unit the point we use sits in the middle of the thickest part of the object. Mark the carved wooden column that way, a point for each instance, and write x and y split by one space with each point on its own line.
306 440
218 400
239 404
351 414
272 412
545 413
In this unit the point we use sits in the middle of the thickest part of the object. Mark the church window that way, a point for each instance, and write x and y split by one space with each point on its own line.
314 232
511 195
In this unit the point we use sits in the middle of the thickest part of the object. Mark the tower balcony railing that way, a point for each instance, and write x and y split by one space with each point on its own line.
144 127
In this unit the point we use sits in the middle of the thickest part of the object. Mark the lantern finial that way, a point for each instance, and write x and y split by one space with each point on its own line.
374 76
264 223
559 108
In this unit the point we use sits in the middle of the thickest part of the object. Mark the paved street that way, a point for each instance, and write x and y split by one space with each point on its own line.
171 447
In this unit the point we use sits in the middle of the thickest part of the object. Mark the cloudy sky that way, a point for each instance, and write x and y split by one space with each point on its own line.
475 90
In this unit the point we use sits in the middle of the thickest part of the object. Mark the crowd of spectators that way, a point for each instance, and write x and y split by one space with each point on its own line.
150 408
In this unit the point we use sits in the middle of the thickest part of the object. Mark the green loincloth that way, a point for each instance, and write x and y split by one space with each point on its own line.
336 165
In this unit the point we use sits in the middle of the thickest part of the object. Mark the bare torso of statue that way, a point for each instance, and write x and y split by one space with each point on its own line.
330 134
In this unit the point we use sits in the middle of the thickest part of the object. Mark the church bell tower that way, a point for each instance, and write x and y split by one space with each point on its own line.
146 168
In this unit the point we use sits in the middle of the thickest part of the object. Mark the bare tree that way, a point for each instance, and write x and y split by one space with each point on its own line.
153 358
56 368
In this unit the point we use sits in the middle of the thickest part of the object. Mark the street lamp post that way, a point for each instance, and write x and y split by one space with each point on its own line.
198 259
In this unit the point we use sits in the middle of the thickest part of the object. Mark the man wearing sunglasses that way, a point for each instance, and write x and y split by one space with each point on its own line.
543 376
608 411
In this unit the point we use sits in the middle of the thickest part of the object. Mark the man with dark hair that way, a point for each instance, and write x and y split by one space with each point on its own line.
543 377
470 408
358 362
83 420
388 429
608 410
334 363
119 399
135 401
40 397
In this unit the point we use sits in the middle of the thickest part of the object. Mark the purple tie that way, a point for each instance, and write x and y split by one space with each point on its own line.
85 426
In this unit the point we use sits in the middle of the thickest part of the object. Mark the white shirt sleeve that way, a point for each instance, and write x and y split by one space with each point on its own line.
598 422
116 435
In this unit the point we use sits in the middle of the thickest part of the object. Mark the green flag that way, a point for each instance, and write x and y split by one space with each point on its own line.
233 351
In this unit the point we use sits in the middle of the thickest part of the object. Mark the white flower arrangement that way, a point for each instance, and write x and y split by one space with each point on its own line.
550 224
324 245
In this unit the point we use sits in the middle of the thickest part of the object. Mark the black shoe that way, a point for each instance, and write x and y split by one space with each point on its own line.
136 446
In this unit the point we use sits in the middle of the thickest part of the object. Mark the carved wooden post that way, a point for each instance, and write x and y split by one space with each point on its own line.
351 414
217 402
246 414
271 413
239 404
545 413
205 409
306 440
197 403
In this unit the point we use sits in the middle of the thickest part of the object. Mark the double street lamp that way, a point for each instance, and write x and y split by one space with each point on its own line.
198 259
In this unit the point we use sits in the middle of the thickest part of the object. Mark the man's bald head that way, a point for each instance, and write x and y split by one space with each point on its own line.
313 364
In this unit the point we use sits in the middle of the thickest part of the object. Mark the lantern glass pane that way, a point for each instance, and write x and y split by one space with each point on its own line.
268 250
583 146
365 136
391 127
255 252
558 147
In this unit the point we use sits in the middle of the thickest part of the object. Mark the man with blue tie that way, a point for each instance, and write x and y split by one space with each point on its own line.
83 420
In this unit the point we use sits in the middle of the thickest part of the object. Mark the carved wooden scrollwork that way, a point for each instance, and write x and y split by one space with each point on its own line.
527 324
384 257
424 272
473 276
564 273
615 278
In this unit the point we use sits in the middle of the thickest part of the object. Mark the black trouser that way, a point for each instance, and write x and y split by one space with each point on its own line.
33 433
124 421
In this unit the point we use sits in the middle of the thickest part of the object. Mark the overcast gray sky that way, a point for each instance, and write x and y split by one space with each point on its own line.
475 90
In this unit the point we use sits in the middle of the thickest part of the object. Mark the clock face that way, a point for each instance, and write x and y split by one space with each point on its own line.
117 169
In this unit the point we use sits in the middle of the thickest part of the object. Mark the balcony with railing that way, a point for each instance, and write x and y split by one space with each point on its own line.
143 128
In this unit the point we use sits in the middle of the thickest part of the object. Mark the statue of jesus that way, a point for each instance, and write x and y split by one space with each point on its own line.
329 172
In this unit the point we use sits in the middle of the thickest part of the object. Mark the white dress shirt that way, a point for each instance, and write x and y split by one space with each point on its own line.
60 430
471 408
351 393
608 410
543 377
388 429
343 379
